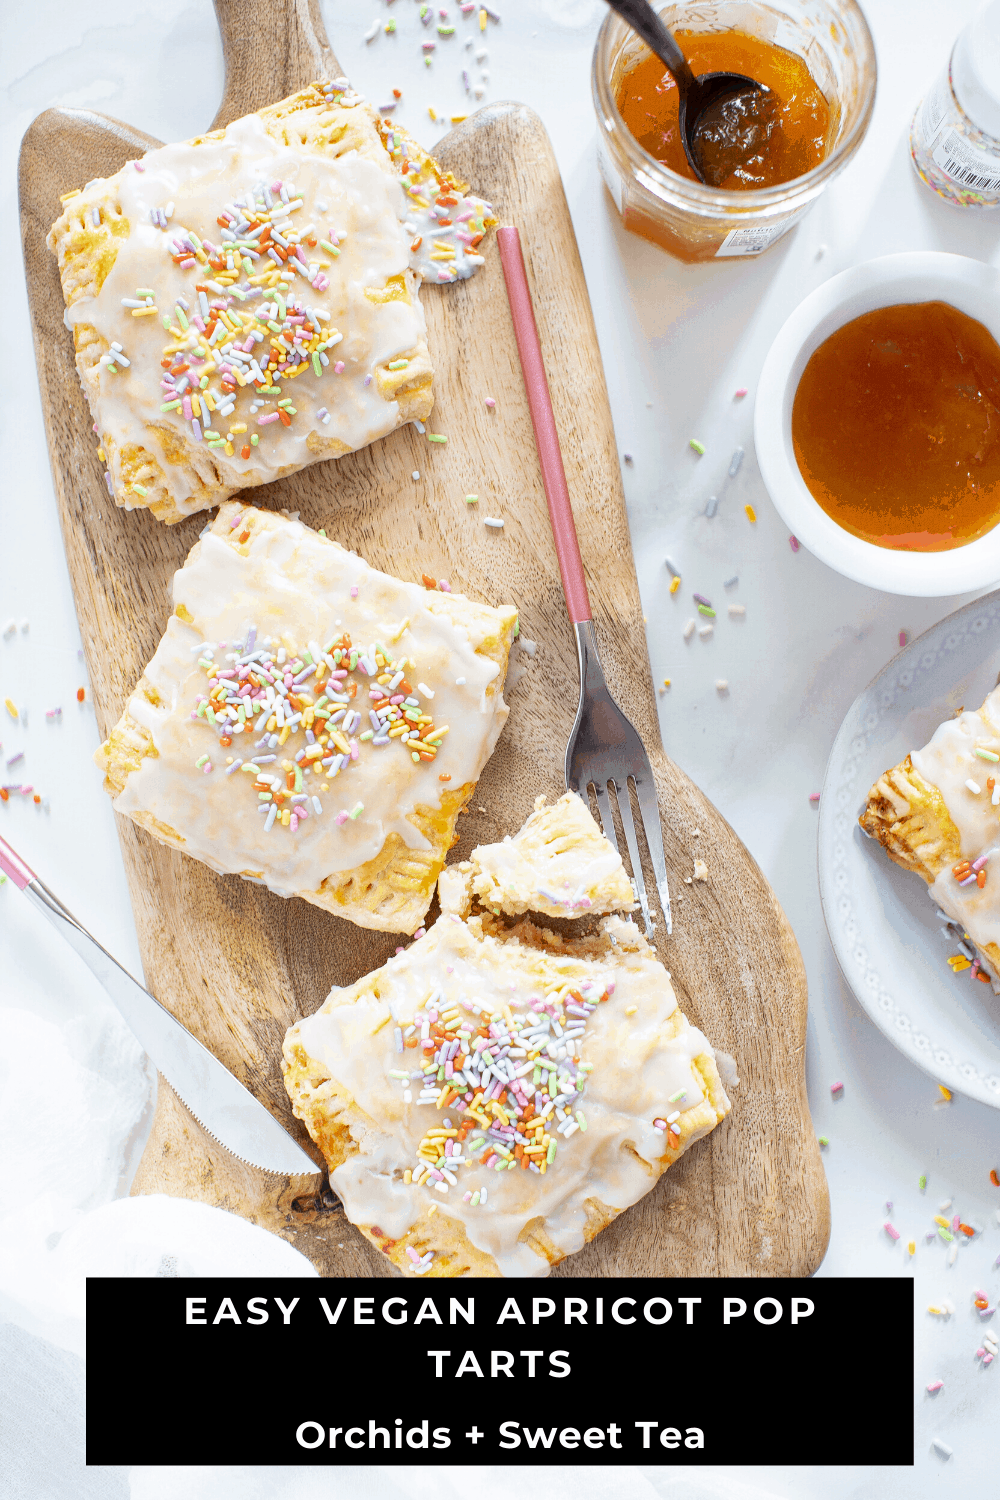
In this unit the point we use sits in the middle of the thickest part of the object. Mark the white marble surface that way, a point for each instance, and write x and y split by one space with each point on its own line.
677 341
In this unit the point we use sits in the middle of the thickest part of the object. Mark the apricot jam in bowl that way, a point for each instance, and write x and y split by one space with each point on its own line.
816 58
877 423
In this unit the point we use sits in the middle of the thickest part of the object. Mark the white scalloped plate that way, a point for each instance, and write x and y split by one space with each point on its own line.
884 928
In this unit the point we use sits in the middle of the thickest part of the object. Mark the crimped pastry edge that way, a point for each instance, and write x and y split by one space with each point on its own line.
392 891
330 1114
212 478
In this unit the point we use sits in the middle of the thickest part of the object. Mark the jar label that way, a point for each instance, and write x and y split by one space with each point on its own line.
609 171
967 165
934 108
752 241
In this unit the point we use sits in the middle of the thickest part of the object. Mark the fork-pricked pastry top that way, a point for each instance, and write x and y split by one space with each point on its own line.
488 1102
311 722
243 304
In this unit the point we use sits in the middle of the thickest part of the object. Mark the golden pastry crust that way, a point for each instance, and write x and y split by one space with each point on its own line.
348 1135
909 815
391 890
157 463
909 818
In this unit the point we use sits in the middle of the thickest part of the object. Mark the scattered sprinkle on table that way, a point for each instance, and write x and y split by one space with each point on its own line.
942 1448
675 583
741 393
472 499
490 403
750 512
734 463
837 1087
814 797
712 507
415 474
628 458
794 543
904 636
493 521
737 611
699 448
721 685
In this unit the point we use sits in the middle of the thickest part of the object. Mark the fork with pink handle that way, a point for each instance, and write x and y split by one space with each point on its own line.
604 750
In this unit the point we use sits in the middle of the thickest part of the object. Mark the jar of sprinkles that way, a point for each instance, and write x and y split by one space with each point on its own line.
955 134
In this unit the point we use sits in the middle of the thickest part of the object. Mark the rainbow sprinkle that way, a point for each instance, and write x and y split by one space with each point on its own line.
513 1075
447 225
227 354
318 726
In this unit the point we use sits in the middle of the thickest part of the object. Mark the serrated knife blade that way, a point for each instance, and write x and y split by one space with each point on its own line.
218 1101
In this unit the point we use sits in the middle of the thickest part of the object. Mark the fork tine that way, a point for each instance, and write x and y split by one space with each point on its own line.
625 813
649 810
607 819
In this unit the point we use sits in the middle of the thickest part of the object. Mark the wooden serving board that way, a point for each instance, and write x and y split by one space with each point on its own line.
238 965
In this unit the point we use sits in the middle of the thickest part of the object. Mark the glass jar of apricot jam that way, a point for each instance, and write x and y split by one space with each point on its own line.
817 57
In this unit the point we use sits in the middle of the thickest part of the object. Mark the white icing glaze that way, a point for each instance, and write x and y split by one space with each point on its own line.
977 911
637 1067
432 241
948 761
364 207
295 587
570 876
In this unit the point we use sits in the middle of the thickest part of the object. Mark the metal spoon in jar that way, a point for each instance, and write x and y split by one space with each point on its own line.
724 118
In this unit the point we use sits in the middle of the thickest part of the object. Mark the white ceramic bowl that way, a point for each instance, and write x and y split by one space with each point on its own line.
917 276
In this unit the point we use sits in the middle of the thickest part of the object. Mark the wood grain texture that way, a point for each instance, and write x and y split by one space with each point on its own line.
238 965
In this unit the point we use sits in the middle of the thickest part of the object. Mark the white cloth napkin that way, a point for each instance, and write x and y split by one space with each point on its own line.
85 1093
73 1099
161 1236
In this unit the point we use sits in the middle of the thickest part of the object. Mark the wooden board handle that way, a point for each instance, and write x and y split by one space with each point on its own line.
543 421
270 51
